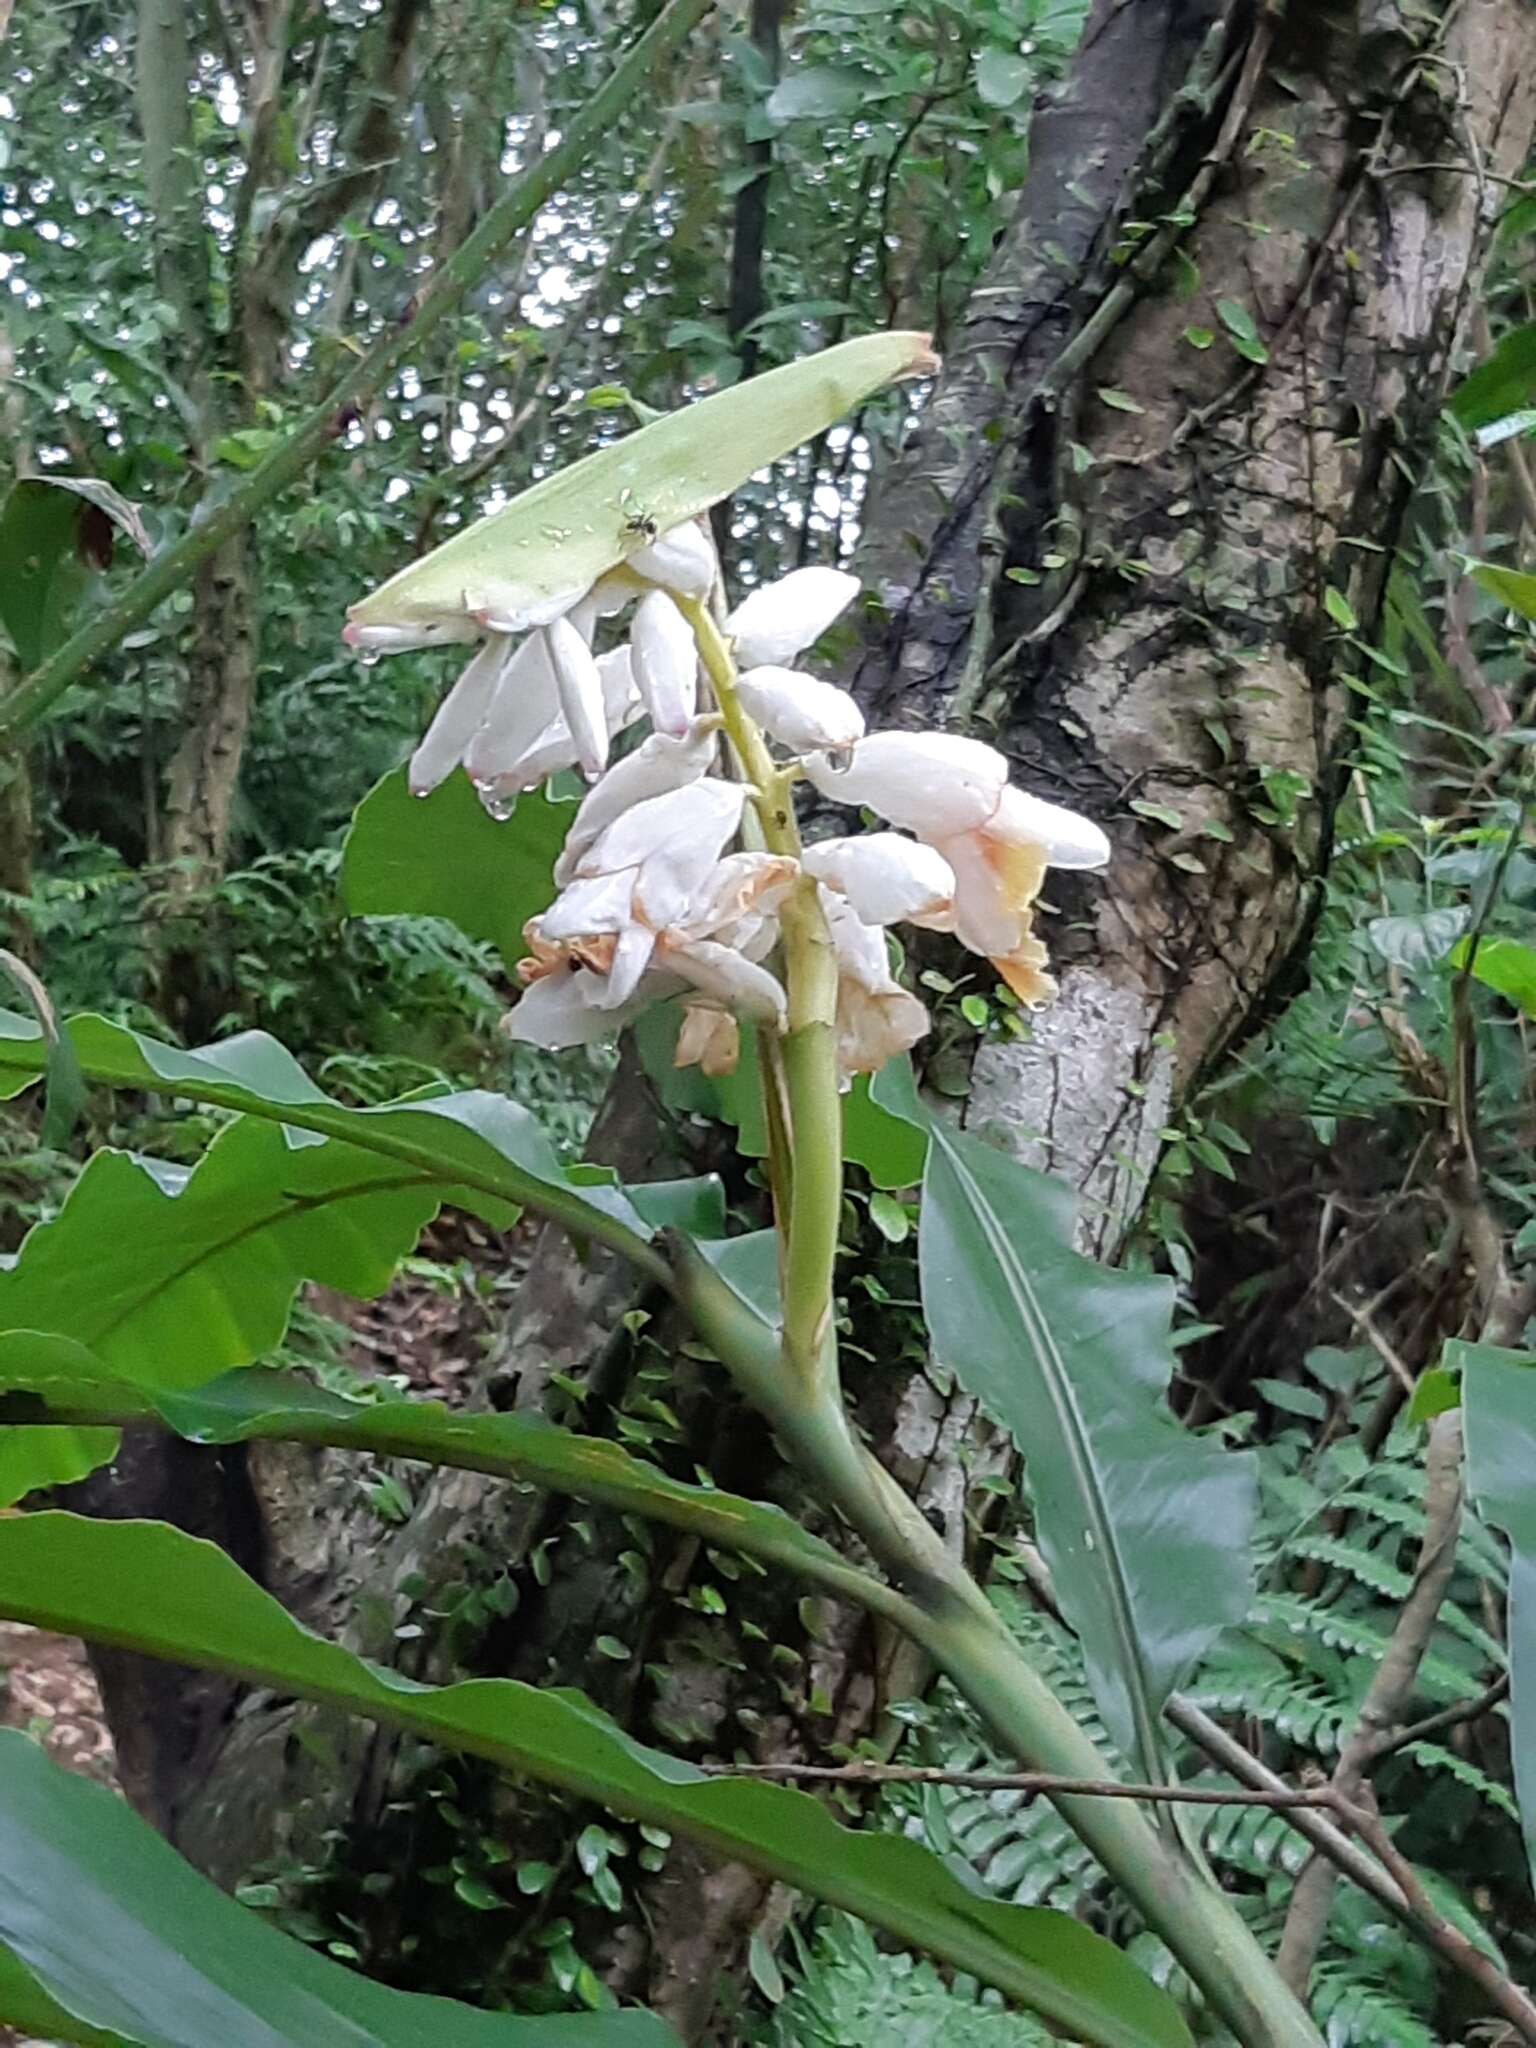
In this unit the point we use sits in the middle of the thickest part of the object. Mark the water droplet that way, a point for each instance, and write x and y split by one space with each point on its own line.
370 657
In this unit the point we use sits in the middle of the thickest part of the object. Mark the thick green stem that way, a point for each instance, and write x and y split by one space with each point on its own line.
812 1163
517 206
966 1638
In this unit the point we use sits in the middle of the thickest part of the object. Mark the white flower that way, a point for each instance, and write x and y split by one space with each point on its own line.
459 717
654 909
657 765
955 794
779 620
682 560
876 1017
887 879
666 663
579 690
524 738
799 711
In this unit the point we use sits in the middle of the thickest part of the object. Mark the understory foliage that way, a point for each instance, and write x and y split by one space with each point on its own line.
246 1246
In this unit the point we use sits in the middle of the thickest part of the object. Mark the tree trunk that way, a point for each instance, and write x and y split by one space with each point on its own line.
1110 548
204 774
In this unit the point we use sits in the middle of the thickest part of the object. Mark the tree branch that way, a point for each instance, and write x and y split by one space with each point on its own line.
516 207
1389 1689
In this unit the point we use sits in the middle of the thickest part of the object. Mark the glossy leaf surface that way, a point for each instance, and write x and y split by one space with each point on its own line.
145 1586
128 1939
1147 1529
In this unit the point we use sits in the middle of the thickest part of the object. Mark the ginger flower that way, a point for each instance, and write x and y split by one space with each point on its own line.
663 887
954 794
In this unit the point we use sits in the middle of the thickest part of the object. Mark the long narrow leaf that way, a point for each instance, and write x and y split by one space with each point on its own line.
1498 1401
1147 1529
40 1372
126 1938
147 1587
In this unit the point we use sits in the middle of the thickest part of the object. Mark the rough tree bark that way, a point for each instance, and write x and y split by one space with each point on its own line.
1107 549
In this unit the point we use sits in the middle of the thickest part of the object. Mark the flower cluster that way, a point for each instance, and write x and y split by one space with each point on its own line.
653 900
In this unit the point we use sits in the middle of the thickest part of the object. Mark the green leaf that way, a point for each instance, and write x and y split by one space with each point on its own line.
489 1152
443 855
1501 385
1512 587
1147 1529
193 1272
64 1083
26 2006
1339 609
147 1587
55 537
1119 401
1199 337
1002 77
1418 944
42 1373
564 532
127 1938
1498 1399
890 1218
1435 1392
1238 322
820 92
1502 964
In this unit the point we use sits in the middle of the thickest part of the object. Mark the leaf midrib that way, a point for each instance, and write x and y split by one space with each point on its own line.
1037 1328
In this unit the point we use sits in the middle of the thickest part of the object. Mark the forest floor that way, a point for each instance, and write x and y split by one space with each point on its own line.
47 1689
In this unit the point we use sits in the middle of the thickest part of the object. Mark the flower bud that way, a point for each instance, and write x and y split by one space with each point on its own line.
779 620
459 717
507 608
579 687
659 764
665 663
932 783
886 879
682 560
708 1039
801 712
1066 840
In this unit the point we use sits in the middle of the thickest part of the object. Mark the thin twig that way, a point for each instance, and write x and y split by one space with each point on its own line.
1389 1742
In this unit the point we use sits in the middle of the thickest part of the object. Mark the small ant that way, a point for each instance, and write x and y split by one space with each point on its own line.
640 526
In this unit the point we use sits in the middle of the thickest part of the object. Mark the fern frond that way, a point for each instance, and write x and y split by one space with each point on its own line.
1356 2012
1430 1756
1438 1678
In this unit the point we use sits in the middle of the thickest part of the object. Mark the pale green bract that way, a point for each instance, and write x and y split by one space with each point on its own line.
557 538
